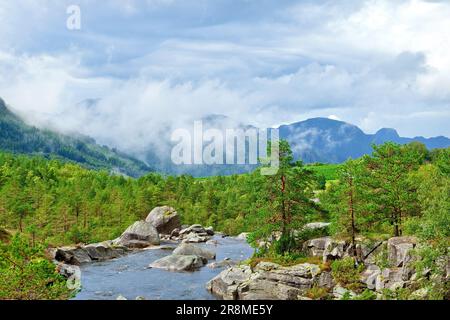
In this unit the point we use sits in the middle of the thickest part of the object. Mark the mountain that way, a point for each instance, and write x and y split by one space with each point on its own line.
18 137
332 141
313 140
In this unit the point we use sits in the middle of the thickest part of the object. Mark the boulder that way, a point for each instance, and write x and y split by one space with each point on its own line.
209 231
121 297
340 292
139 235
225 285
72 273
72 255
316 225
368 251
104 251
226 263
325 280
389 279
195 238
334 250
175 233
192 250
262 289
179 263
266 282
243 236
164 219
398 249
369 276
316 247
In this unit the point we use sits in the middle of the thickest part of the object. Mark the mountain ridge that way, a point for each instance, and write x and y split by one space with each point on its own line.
18 137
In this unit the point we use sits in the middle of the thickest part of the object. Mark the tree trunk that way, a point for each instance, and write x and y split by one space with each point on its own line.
352 215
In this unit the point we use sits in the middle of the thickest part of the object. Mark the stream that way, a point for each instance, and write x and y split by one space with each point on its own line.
129 276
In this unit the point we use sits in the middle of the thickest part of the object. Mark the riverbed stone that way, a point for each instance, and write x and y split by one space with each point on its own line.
165 219
141 234
179 263
72 273
72 255
192 250
225 285
226 263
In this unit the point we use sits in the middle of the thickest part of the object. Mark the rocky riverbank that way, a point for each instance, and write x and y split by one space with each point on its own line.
268 280
161 225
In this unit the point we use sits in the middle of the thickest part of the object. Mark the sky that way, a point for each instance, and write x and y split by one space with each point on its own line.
137 65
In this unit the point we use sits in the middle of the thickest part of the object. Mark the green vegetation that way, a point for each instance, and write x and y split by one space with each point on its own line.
325 172
26 274
20 138
397 190
346 273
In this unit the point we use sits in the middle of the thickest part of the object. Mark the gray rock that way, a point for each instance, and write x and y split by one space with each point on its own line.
243 236
325 280
179 263
266 282
121 297
139 235
164 219
316 225
209 231
192 250
334 250
72 273
398 249
339 292
222 264
104 251
369 276
225 285
316 247
72 255
195 238
389 279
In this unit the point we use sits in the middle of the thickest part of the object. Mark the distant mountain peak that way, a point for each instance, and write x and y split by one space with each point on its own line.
387 133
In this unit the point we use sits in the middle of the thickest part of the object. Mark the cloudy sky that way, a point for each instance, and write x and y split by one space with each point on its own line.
138 63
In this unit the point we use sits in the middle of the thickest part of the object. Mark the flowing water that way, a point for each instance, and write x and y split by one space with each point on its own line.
129 276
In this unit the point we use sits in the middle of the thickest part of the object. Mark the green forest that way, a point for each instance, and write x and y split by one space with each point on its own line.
398 190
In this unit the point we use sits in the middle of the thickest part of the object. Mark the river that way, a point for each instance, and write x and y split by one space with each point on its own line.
129 276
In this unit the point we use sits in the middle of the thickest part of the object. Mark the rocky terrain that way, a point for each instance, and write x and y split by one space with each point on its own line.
269 280
381 265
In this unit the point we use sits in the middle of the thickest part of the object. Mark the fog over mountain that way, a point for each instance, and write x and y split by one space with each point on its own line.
136 66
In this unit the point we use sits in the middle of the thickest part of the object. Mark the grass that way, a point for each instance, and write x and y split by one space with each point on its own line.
329 171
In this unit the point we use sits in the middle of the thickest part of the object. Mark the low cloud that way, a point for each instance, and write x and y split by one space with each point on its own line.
140 68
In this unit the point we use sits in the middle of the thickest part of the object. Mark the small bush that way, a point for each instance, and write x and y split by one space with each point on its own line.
25 273
317 293
346 273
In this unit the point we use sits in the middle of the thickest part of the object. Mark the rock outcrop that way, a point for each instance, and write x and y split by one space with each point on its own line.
272 281
267 281
399 248
89 253
164 219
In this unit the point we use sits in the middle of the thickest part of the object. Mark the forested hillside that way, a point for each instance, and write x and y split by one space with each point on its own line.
399 190
18 137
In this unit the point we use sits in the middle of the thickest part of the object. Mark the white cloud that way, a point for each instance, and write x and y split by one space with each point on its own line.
374 63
